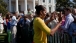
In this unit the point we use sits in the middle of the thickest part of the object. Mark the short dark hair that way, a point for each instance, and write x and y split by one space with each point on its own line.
68 9
39 8
8 16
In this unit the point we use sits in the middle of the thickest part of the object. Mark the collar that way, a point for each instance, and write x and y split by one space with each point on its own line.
69 14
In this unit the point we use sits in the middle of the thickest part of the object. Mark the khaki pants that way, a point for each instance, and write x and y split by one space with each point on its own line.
1 31
13 33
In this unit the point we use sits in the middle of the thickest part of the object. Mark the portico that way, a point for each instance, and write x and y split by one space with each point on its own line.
23 5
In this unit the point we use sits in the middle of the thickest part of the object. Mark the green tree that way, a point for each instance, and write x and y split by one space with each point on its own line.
3 6
63 3
74 3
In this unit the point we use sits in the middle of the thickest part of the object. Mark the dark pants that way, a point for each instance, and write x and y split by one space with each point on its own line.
5 28
25 36
18 35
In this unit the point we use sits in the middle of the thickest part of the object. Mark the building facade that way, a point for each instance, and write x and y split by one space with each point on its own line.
23 5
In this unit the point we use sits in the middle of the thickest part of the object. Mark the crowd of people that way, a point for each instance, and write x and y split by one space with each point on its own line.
34 28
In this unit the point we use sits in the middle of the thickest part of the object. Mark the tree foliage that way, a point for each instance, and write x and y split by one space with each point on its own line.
3 6
74 3
63 3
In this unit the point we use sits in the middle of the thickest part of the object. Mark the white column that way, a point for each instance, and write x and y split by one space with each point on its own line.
17 10
40 2
47 7
34 6
53 6
9 5
25 6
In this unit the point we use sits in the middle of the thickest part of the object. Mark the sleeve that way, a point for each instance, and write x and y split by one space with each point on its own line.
43 26
14 19
67 23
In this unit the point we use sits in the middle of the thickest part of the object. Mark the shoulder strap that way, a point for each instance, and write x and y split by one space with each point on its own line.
73 17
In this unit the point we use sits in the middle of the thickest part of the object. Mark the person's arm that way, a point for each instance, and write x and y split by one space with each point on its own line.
51 19
14 18
55 28
19 18
47 21
67 23
41 24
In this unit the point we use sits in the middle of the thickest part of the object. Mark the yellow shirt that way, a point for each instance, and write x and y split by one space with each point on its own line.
40 31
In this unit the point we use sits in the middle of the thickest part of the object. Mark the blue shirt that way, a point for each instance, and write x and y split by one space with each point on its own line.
8 25
68 20
72 28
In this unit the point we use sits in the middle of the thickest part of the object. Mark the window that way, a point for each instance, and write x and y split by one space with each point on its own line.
19 8
27 6
50 9
43 0
54 1
49 1
12 8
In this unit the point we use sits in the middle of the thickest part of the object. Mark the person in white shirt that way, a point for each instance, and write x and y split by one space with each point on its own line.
14 22
1 24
